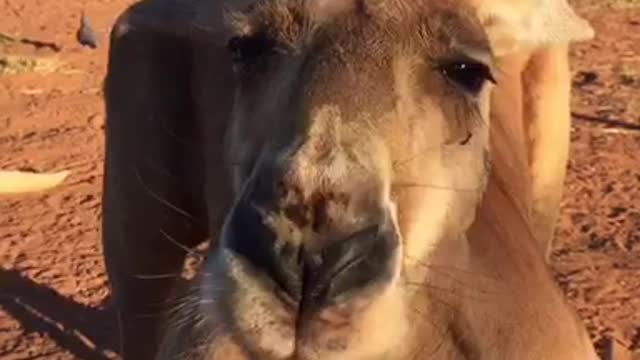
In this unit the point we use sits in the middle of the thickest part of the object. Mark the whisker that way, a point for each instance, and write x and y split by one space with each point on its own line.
450 292
237 163
406 184
491 286
186 310
419 154
164 276
419 354
149 315
159 198
159 169
450 268
181 246
157 276
204 28
120 332
443 273
178 139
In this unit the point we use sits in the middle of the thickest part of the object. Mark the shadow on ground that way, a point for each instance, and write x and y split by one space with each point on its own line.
86 332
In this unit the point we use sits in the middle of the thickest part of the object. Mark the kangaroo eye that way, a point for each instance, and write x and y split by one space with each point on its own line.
247 48
471 76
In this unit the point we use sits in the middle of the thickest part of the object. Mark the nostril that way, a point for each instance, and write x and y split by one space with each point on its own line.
248 237
349 266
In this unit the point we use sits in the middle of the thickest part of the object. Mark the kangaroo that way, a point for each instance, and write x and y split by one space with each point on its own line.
370 175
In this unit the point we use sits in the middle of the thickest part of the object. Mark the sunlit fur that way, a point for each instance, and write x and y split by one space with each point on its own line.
355 104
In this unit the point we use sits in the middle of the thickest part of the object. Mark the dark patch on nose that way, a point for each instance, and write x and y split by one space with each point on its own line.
361 7
312 212
321 217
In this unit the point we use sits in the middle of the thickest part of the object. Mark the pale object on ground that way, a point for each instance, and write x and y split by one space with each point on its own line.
16 182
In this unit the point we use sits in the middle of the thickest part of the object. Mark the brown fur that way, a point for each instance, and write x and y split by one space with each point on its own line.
474 286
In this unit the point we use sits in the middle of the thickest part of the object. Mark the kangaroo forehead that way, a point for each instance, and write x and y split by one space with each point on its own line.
440 24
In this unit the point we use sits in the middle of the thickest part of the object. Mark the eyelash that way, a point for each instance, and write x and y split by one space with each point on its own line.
469 75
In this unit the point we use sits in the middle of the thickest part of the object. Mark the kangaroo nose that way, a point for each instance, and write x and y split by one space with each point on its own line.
329 275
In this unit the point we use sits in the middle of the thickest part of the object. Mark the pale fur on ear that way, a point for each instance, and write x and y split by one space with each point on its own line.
512 25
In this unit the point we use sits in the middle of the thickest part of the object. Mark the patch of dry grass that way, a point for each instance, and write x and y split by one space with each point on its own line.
611 4
623 4
16 64
629 72
6 39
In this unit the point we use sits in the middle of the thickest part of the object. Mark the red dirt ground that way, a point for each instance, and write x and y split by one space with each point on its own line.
53 295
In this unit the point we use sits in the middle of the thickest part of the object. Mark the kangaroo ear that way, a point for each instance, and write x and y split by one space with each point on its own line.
515 25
